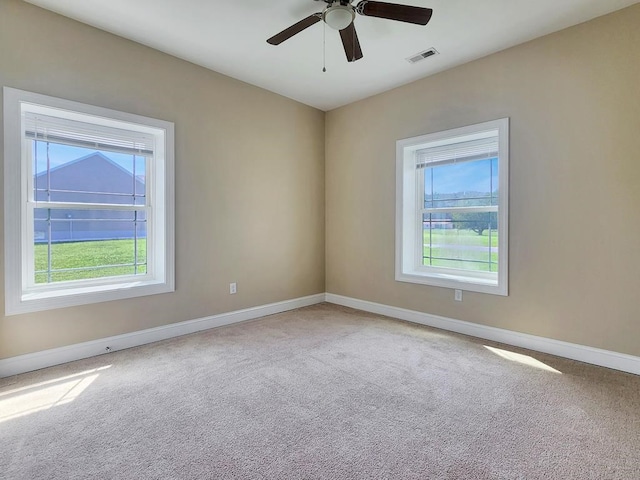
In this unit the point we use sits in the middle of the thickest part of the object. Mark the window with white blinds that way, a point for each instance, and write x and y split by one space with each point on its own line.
452 196
89 195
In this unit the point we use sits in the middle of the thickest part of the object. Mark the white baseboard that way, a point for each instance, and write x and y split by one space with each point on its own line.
57 356
595 356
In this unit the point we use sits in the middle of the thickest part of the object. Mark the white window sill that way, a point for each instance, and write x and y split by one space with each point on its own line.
460 282
36 301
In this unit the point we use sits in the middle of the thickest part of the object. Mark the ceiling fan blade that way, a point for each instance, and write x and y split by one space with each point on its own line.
392 11
294 29
350 43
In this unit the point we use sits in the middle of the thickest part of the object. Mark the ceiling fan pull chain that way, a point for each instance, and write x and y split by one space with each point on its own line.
324 47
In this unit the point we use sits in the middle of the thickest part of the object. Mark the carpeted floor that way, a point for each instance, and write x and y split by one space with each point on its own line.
323 392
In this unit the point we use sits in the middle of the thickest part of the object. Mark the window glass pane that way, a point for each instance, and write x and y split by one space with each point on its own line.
494 181
141 247
472 183
84 244
64 173
428 188
461 240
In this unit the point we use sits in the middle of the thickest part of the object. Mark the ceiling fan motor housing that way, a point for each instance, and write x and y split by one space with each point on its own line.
338 16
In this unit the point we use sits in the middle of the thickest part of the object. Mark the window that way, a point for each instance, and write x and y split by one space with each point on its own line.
88 204
452 208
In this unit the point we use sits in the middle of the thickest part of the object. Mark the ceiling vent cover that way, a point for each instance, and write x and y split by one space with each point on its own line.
422 55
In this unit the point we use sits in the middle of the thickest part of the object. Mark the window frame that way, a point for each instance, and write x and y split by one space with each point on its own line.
22 295
410 207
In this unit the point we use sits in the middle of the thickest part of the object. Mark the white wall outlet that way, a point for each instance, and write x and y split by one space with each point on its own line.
233 288
458 295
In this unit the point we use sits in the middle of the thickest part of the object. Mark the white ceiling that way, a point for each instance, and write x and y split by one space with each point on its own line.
230 37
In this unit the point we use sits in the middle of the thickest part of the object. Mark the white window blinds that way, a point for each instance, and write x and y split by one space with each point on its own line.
458 152
87 135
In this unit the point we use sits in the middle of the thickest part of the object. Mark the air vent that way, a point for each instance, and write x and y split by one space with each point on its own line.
422 55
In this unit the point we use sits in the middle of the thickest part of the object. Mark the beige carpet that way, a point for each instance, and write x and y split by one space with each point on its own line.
322 392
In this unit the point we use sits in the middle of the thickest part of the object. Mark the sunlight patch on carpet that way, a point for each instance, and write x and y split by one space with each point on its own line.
520 358
44 395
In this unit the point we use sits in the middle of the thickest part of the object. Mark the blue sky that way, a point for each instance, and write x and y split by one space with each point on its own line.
61 154
475 176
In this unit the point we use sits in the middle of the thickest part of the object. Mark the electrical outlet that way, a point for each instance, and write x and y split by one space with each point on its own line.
233 288
458 295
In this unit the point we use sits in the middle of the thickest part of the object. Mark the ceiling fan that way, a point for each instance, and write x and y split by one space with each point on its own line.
340 14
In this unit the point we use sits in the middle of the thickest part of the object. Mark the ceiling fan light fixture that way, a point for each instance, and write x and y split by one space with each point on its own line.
339 17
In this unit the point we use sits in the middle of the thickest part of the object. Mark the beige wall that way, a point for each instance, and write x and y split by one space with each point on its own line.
249 176
574 102
250 180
